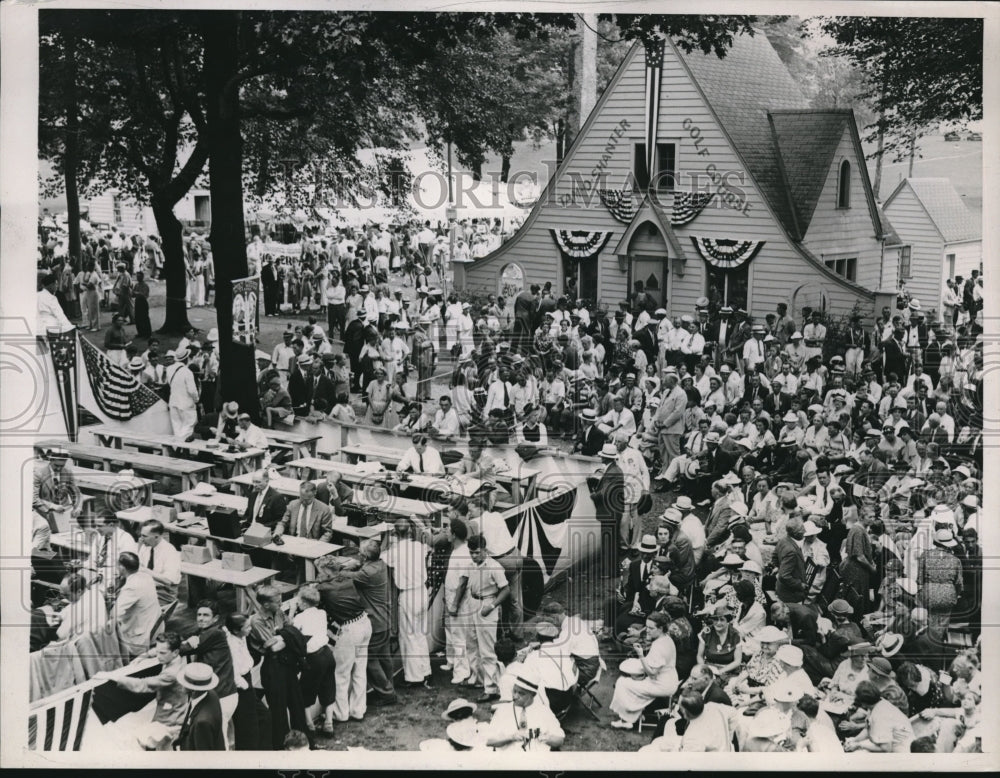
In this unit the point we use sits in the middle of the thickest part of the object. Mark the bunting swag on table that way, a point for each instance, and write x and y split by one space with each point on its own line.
654 73
580 244
62 347
725 253
245 297
621 204
540 530
687 205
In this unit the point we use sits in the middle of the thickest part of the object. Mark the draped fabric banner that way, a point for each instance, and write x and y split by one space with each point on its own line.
62 346
687 205
654 72
725 253
620 204
245 297
580 244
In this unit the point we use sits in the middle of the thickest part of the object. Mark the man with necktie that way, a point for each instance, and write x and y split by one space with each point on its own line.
307 517
753 349
160 559
421 458
265 506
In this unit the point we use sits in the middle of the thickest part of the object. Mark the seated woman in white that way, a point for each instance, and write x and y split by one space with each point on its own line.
632 695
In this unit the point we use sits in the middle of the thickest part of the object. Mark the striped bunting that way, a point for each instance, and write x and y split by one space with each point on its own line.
620 204
580 244
654 73
116 391
59 726
726 253
687 205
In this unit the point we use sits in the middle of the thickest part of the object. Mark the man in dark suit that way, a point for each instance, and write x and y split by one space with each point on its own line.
607 489
633 602
210 646
894 356
319 386
265 506
755 390
202 727
647 340
590 439
790 583
297 384
307 517
334 492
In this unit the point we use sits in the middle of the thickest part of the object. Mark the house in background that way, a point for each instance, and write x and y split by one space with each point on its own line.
115 210
698 176
939 236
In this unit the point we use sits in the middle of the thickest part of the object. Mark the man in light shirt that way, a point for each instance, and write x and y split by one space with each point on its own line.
485 521
249 436
110 542
421 458
618 420
636 483
283 354
50 312
753 349
446 421
160 559
407 560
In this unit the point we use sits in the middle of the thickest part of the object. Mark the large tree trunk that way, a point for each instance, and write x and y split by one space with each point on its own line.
175 321
71 153
237 377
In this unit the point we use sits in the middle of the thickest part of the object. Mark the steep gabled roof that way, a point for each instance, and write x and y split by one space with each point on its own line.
742 88
649 210
952 217
888 231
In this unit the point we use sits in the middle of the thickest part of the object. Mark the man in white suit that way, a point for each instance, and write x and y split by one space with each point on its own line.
183 404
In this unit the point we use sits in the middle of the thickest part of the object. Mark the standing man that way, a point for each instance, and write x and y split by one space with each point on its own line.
488 588
423 354
54 489
136 608
183 404
814 335
501 547
371 577
670 417
407 559
607 490
789 555
636 474
211 646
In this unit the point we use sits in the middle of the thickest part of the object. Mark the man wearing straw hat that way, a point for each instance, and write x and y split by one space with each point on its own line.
202 727
525 723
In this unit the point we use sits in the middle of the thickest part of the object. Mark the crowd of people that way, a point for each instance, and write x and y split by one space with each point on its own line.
813 584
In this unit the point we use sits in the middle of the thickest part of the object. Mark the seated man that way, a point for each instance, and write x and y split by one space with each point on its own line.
249 435
136 608
334 492
160 559
551 664
421 458
266 505
525 723
306 517
276 403
577 639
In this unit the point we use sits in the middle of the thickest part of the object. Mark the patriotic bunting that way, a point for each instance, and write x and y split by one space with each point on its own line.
117 393
62 347
621 204
541 528
725 253
245 297
580 244
687 205
654 73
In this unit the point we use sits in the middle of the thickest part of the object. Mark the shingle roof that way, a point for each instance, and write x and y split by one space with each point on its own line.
953 218
742 87
807 142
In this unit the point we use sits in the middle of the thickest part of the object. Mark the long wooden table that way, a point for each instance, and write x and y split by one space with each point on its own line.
216 501
306 549
188 472
117 490
242 580
465 485
282 485
240 461
301 445
520 483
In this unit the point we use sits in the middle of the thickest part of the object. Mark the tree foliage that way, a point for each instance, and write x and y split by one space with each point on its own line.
918 72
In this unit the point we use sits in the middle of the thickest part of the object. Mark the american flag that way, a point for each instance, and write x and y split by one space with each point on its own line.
62 347
654 74
116 391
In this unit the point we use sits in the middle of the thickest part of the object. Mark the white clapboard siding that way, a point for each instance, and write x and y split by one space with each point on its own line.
777 272
836 233
916 230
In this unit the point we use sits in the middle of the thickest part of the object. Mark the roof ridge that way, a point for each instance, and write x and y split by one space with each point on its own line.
835 111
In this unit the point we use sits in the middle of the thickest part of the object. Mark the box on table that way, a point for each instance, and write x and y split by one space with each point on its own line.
165 514
232 560
195 555
257 535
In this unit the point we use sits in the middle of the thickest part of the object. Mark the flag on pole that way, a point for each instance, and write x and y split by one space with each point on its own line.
245 297
62 348
654 74
116 391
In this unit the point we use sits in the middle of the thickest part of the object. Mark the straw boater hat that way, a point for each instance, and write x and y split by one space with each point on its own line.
459 709
648 544
231 409
889 644
198 677
609 451
136 364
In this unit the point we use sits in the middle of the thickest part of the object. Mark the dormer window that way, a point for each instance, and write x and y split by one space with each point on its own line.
844 185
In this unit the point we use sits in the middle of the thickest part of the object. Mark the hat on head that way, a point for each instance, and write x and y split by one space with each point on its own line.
783 691
790 655
304 359
527 680
863 647
810 528
660 312
970 501
726 309
750 566
739 508
213 335
733 480
546 629
908 585
136 363
790 417
889 643
880 666
687 319
609 451
231 409
458 709
770 634
840 607
732 560
724 368
769 338
795 336
874 433
914 305
963 471
757 328
671 516
588 414
684 503
58 453
648 543
198 677
945 537
701 302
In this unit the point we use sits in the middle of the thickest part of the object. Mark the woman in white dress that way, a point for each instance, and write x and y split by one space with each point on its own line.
633 695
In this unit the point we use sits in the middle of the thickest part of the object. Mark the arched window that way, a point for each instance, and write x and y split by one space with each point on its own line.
844 188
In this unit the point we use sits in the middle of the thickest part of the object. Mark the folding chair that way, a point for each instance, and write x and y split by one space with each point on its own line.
650 717
584 694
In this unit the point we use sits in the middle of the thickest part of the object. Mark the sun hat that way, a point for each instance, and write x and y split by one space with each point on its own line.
231 409
783 691
213 335
692 467
840 607
467 734
609 451
588 414
970 501
198 677
945 537
648 544
889 643
136 363
739 508
770 634
457 707
732 560
671 516
768 723
810 528
880 666
684 503
790 655
546 629
750 566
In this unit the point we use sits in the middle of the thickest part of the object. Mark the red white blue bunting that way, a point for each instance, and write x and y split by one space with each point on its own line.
580 244
725 253
687 205
621 204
